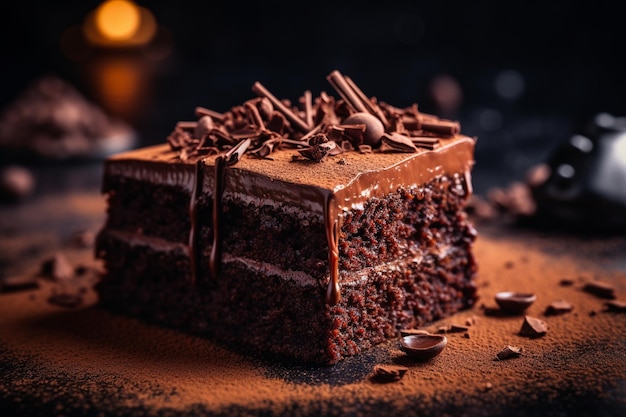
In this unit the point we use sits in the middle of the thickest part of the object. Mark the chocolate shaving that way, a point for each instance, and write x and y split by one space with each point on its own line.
337 80
259 89
201 111
397 143
319 149
371 106
442 127
270 124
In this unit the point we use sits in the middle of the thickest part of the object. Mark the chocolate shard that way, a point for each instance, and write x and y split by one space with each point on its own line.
616 306
389 373
509 352
533 327
600 289
558 307
395 142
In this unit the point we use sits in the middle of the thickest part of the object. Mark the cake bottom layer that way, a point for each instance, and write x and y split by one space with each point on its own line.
258 310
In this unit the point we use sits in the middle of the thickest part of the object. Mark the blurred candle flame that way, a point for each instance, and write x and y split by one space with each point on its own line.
117 19
120 23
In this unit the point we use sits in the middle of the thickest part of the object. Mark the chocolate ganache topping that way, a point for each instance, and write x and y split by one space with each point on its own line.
314 128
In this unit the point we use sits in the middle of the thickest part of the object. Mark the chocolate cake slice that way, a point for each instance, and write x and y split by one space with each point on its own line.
310 232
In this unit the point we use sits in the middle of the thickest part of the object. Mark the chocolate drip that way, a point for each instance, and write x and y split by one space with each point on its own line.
332 224
194 254
216 250
221 162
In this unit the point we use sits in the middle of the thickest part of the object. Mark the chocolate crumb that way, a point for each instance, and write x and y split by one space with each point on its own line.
600 289
566 282
470 321
616 306
16 183
533 327
558 307
452 328
466 335
389 373
66 300
509 352
57 267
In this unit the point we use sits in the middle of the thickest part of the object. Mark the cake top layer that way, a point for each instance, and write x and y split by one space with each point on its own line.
354 135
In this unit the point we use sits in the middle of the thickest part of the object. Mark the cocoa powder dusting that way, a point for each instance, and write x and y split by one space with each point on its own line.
88 361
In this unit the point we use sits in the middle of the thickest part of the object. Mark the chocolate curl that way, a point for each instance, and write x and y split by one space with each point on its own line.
235 153
311 133
201 111
291 116
254 115
371 107
186 125
342 87
308 107
444 127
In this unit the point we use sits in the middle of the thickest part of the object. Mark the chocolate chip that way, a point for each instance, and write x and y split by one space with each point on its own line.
600 289
389 373
558 307
533 327
509 352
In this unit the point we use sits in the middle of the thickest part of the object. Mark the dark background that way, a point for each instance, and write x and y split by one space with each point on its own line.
569 56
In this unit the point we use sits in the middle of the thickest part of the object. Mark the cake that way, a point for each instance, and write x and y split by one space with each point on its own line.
309 232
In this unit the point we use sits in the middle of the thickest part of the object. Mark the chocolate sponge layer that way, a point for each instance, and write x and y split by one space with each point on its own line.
405 260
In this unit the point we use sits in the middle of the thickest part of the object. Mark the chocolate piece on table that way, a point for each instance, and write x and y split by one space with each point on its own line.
615 306
558 307
509 352
600 289
533 327
389 373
